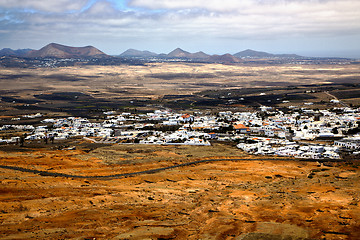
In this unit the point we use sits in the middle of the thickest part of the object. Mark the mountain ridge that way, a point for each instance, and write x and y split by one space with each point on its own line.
225 58
17 53
201 56
62 51
137 53
179 53
249 53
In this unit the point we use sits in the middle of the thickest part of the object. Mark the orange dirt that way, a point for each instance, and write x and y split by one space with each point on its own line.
220 200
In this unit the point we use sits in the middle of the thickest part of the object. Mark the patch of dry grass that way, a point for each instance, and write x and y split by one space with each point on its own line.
140 153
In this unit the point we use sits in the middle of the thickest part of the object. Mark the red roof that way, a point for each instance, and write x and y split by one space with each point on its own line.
240 126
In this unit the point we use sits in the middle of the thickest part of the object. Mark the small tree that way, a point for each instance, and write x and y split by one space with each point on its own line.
335 130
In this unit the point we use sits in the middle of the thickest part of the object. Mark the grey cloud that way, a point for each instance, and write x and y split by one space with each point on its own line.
46 6
296 18
151 20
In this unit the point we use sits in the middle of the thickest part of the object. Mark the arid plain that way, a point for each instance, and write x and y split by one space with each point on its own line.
174 85
248 199
154 79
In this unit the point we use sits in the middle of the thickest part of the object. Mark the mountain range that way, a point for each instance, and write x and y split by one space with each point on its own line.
61 51
201 56
11 52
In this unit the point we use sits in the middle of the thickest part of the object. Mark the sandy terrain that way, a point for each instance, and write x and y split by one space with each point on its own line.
157 79
251 199
88 91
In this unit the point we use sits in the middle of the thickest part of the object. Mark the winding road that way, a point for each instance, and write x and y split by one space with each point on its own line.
124 175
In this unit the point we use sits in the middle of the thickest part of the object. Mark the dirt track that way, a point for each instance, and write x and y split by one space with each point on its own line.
216 200
122 175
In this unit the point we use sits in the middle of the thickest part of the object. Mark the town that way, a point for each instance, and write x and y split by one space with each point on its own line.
298 133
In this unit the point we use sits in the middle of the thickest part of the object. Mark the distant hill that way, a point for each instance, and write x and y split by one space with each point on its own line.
136 53
252 53
226 58
289 56
62 51
199 55
179 53
11 52
256 54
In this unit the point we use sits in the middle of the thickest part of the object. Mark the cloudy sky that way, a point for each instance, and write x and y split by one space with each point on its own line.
305 27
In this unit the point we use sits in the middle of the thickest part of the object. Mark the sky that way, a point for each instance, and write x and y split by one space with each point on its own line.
323 28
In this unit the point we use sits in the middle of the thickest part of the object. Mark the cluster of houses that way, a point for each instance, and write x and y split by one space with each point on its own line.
266 132
286 148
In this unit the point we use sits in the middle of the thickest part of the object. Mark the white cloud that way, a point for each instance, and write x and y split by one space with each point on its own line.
164 22
212 5
262 17
252 18
54 6
292 9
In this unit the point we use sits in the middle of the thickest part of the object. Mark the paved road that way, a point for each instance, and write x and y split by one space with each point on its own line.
123 175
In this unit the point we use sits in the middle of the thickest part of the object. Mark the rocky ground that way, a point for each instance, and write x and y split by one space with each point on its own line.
250 199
